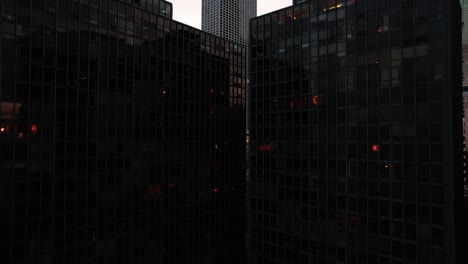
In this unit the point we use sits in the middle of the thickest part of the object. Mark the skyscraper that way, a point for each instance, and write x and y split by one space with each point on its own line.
121 136
356 123
229 19
464 6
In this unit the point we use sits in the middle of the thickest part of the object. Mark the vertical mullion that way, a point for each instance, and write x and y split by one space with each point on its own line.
116 121
89 124
75 141
402 137
157 156
337 175
115 118
28 148
379 125
368 159
430 119
415 147
88 132
131 81
43 129
1 46
391 144
79 124
149 151
141 124
106 111
347 137
53 129
127 200
163 118
14 142
357 139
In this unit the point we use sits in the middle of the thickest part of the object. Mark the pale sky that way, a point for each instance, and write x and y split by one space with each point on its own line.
189 11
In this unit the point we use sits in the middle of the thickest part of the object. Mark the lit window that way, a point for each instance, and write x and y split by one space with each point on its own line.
33 129
375 148
264 148
315 100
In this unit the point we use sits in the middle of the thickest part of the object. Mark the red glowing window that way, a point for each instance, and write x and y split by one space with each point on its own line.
33 129
315 100
264 148
20 135
216 190
375 148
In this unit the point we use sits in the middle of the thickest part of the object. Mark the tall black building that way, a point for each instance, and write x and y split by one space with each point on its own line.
121 136
356 128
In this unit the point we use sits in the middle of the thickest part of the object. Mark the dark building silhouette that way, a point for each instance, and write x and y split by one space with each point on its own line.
356 133
159 7
121 136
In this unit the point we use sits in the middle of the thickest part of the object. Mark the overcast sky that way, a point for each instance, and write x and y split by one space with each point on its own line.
189 11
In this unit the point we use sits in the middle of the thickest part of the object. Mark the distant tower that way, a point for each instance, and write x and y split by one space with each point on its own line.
229 19
464 5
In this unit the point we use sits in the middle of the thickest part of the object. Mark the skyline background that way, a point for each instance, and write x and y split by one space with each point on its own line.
189 11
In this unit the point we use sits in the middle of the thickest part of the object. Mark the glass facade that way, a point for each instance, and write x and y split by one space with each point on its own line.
355 133
121 136
159 7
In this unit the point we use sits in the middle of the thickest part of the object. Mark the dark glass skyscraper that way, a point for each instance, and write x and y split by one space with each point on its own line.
121 136
356 123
